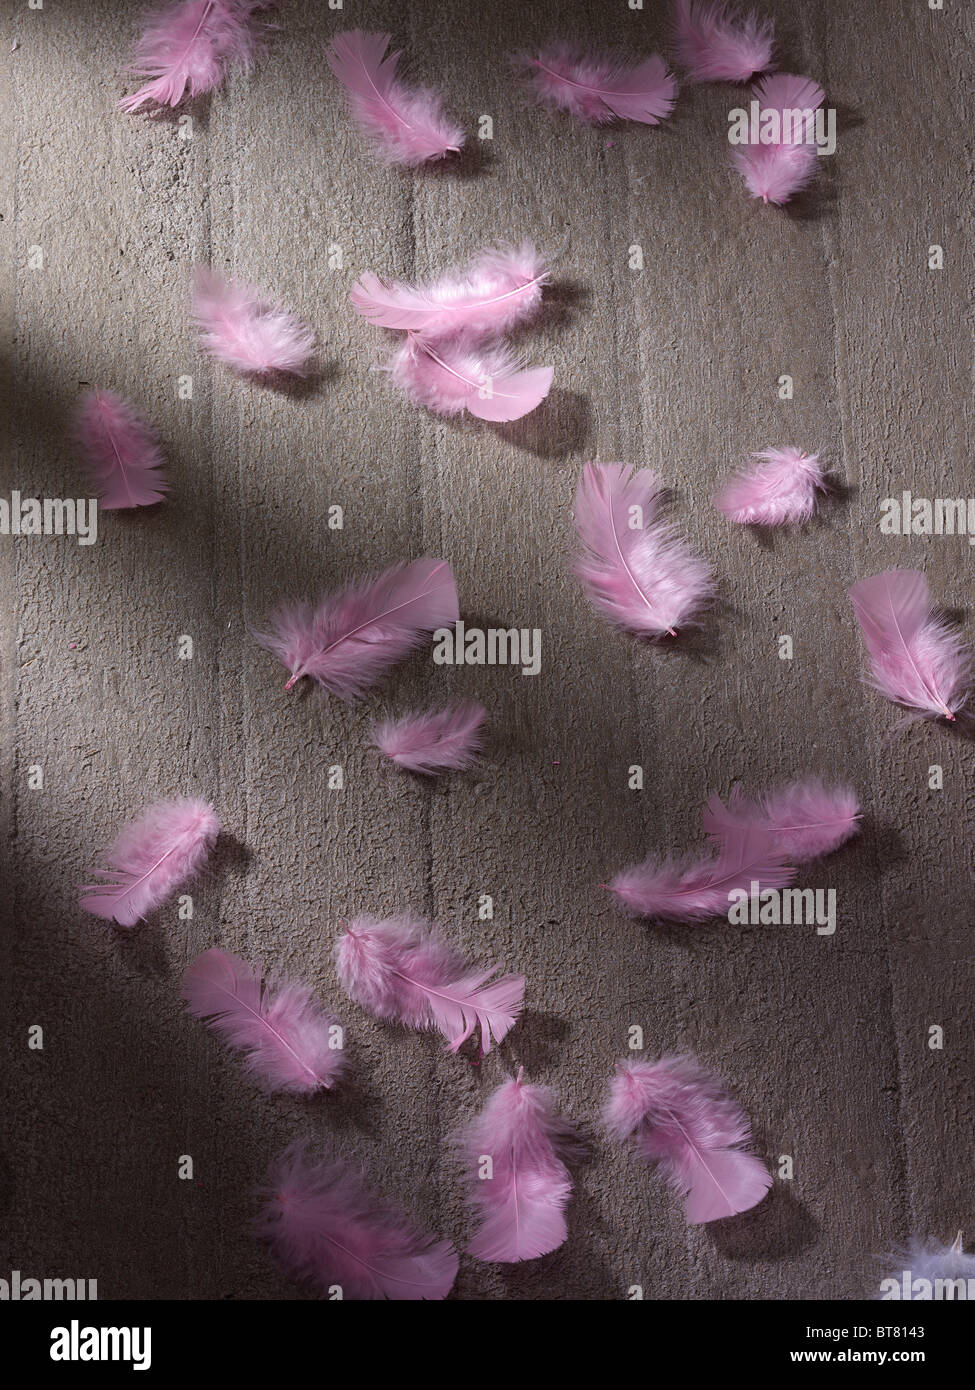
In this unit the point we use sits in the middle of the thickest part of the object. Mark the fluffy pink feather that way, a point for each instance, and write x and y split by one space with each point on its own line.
806 818
353 636
405 125
776 171
435 740
399 969
522 1202
241 328
693 889
714 43
287 1039
643 578
189 48
597 88
678 1115
916 660
453 376
152 857
500 289
779 488
326 1227
119 451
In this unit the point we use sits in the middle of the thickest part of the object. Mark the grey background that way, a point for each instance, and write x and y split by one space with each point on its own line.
823 1040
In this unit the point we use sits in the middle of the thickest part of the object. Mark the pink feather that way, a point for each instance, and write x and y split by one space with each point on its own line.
434 741
915 658
399 969
353 636
645 578
693 889
678 1115
522 1202
241 328
453 376
599 89
405 125
286 1036
780 488
775 172
325 1226
152 857
500 289
189 48
714 43
806 819
119 451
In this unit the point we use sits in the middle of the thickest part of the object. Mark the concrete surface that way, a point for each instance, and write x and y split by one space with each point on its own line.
825 1041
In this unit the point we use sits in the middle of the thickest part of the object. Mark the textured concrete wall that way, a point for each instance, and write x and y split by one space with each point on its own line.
823 1039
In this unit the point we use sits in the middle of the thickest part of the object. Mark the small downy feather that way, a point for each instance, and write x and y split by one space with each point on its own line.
776 171
152 857
781 487
404 125
400 969
326 1227
714 43
189 48
597 88
522 1203
678 1115
806 818
646 579
119 451
286 1037
240 327
450 377
353 636
501 289
930 1261
916 660
695 888
434 741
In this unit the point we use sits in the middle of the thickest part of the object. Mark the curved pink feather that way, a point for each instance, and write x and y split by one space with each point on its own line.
775 172
152 857
713 42
188 48
780 487
405 125
399 969
240 327
806 818
287 1038
597 88
678 1115
119 451
435 740
451 377
326 1227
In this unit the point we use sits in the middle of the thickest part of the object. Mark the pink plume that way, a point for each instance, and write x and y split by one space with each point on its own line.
399 969
600 89
189 48
325 1226
151 858
714 43
353 636
780 488
287 1038
915 658
435 741
806 819
692 889
119 451
776 171
522 1203
677 1114
500 289
240 327
405 125
453 376
644 579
